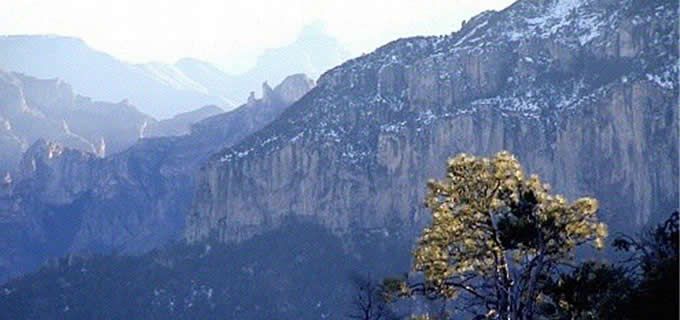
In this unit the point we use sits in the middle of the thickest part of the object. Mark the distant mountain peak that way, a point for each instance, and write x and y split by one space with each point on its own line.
164 90
313 30
154 88
293 87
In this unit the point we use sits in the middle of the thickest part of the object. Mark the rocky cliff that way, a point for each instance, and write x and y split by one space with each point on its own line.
63 200
31 109
584 92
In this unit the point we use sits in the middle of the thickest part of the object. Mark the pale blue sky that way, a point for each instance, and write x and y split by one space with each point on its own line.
228 32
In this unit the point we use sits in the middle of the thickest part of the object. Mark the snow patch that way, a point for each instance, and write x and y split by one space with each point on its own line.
471 33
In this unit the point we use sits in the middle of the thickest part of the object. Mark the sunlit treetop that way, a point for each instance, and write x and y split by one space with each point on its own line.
493 227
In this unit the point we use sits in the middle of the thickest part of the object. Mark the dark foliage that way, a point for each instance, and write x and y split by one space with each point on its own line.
591 291
370 300
644 286
655 261
296 272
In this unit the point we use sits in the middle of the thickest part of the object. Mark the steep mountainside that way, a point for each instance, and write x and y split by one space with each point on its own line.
63 200
584 92
32 108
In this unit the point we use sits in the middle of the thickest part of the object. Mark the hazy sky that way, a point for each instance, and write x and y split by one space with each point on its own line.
228 31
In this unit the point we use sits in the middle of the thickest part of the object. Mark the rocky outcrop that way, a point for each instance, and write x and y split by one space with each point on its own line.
252 116
56 174
31 109
293 87
35 219
48 109
583 92
63 200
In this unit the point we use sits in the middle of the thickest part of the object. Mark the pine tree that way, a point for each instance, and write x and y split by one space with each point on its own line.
496 236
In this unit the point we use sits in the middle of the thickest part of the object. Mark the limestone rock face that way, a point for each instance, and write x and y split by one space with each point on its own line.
583 92
63 200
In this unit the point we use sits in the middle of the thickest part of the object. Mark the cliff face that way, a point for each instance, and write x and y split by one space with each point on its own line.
583 92
35 220
64 200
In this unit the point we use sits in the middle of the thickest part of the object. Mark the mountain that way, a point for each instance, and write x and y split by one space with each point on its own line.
64 200
180 124
32 108
156 90
226 86
584 92
164 90
311 53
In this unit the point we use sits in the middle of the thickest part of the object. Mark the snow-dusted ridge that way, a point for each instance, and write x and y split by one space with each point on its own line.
580 35
583 92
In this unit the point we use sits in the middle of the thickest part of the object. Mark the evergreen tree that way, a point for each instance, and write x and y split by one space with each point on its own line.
496 236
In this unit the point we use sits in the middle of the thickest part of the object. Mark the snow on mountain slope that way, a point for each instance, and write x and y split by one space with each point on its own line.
584 92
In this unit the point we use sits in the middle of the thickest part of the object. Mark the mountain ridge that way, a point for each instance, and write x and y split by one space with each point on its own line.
108 78
392 117
160 89
48 108
68 201
583 92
